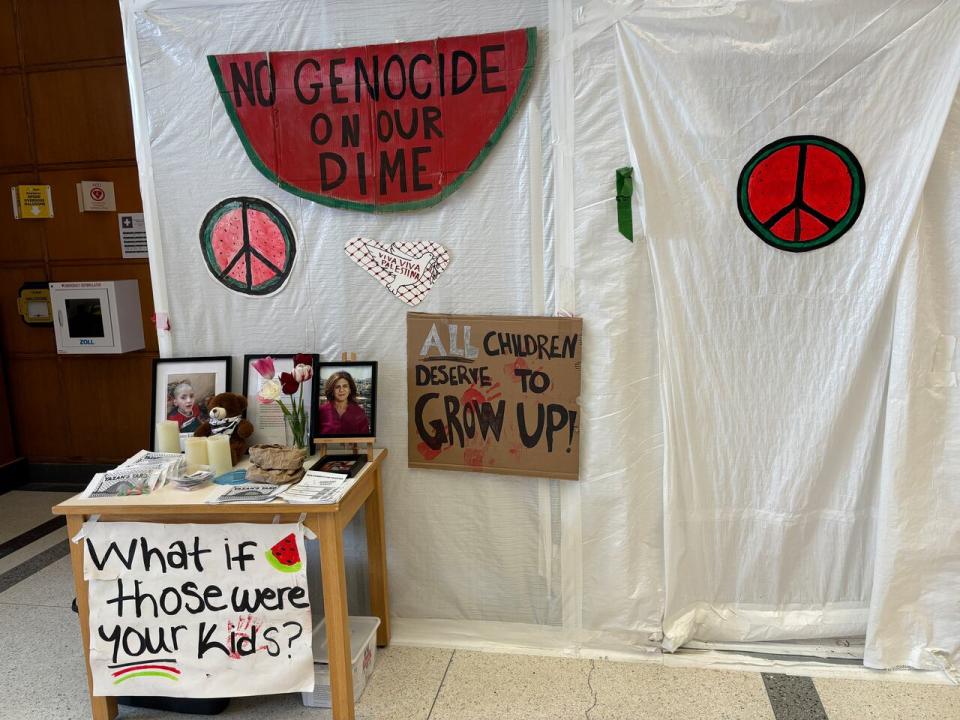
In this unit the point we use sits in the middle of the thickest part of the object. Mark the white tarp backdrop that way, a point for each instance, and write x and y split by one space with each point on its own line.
766 436
784 374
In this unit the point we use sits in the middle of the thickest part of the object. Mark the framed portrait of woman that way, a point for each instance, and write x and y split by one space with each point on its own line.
346 399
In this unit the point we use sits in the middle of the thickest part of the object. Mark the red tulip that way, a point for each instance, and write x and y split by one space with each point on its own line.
265 367
288 383
302 359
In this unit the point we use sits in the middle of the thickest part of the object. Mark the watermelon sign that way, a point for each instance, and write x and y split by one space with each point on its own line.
377 128
801 193
285 556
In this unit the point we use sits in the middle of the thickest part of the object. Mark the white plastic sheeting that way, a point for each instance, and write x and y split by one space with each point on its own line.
460 545
801 495
788 526
622 443
914 615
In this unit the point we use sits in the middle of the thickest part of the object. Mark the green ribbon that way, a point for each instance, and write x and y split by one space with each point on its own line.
624 207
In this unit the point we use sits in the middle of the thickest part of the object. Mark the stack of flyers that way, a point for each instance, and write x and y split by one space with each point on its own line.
249 493
144 473
168 465
193 480
319 490
122 482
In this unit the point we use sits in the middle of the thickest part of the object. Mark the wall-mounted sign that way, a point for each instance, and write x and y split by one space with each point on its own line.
133 235
494 394
197 610
32 202
96 196
381 127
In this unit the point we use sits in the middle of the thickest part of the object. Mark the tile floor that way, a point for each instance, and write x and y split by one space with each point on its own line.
43 678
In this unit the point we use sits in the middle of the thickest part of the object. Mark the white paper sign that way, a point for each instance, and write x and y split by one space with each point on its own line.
198 610
407 269
133 235
96 196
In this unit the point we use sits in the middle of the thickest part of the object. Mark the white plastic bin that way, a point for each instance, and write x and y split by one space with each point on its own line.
363 652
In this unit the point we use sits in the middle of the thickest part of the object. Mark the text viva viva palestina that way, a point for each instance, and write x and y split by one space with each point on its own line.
471 406
183 607
379 124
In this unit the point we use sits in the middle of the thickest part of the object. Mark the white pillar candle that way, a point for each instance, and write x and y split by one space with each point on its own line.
168 436
197 451
218 454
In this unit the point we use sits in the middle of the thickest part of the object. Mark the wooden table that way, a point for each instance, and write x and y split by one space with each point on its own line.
170 505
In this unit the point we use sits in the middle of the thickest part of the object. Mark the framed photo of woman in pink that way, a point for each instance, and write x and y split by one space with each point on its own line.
347 393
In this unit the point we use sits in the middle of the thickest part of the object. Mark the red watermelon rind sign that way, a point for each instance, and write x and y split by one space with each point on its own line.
834 226
335 127
227 245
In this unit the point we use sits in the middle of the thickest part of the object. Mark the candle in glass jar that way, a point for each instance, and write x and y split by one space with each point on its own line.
196 451
168 436
218 454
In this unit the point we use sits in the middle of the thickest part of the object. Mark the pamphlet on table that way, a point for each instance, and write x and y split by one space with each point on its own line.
144 473
248 493
319 490
147 472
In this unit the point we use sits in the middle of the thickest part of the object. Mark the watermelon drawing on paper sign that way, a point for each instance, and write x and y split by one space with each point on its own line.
801 193
376 128
285 556
248 245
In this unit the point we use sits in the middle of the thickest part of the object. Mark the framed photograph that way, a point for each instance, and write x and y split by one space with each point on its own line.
348 465
267 418
182 389
346 399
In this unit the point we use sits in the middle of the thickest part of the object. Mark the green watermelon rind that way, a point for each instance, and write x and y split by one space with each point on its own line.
272 559
495 136
206 243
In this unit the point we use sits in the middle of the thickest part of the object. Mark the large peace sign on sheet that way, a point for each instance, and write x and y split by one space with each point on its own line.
801 193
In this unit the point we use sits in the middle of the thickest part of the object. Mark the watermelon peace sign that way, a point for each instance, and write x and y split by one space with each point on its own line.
248 245
800 193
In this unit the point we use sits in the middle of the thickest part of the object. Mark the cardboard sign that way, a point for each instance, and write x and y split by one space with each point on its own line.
494 394
197 610
383 127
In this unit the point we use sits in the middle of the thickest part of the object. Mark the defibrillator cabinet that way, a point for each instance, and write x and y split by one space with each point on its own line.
97 317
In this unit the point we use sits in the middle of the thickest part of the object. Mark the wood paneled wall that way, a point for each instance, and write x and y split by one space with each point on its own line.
66 119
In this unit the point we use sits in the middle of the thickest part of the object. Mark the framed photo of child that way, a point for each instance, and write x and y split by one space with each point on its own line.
182 389
346 399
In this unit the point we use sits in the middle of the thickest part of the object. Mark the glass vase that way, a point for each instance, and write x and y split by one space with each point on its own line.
294 439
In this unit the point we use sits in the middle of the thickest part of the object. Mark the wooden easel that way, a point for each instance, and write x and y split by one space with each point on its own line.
356 443
366 442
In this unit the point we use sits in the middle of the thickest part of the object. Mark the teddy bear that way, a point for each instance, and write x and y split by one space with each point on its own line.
226 417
